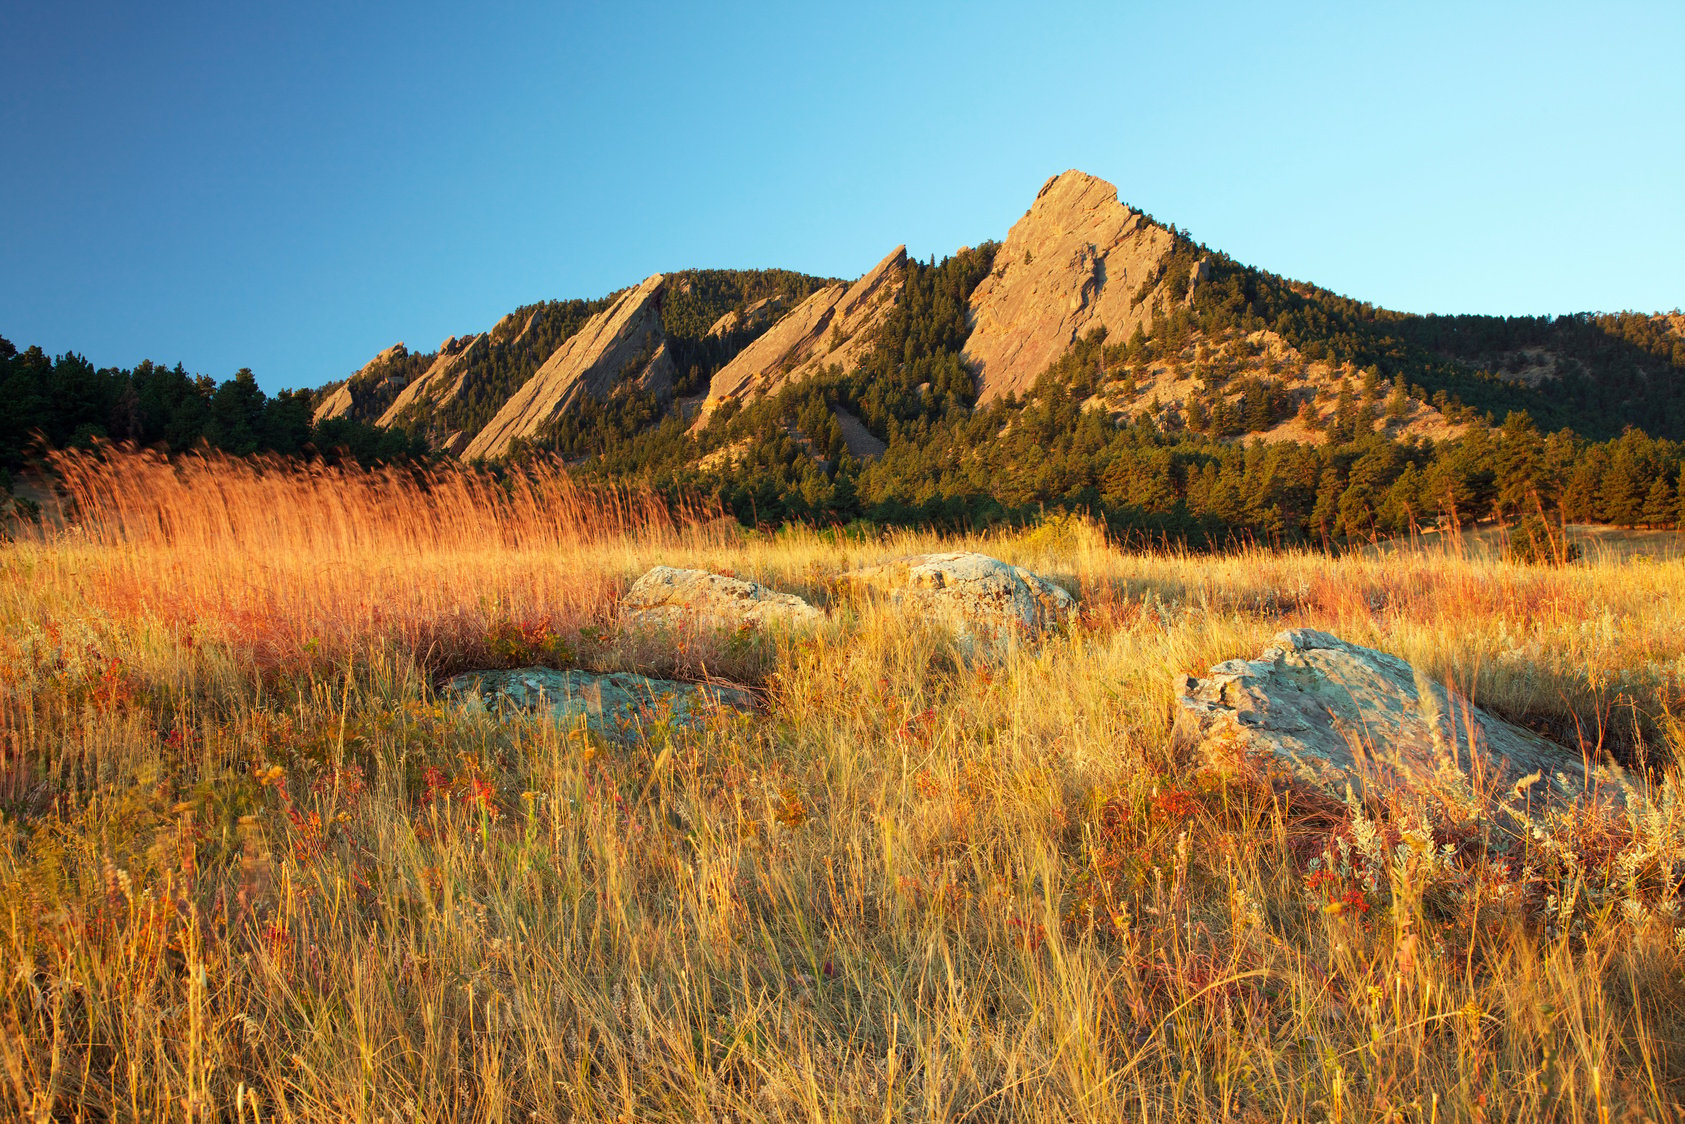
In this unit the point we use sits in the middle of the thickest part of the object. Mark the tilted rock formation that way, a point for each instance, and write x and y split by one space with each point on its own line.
1075 261
618 705
440 383
834 325
623 343
335 405
755 318
986 602
1335 714
353 396
669 596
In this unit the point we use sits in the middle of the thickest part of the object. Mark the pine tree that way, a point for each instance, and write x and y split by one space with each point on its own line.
1309 416
1259 415
1398 402
1658 505
1621 497
1325 515
1345 415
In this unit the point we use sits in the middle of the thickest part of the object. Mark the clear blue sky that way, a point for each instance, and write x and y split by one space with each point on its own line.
292 187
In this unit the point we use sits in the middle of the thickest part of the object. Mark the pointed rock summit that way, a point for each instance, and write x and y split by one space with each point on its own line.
1076 260
833 326
349 397
624 342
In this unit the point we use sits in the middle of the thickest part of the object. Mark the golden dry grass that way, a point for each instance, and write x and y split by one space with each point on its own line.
253 868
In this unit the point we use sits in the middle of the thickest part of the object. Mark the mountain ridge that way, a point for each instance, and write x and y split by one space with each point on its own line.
1096 360
1078 260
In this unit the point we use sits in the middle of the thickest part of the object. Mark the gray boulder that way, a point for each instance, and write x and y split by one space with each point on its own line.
669 596
617 705
1335 714
983 600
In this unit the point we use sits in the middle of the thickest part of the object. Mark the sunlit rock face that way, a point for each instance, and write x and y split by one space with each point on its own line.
1077 260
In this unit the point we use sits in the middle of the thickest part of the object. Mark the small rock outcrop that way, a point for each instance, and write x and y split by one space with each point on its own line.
862 443
833 326
669 596
1335 714
617 705
984 600
755 318
1078 259
622 344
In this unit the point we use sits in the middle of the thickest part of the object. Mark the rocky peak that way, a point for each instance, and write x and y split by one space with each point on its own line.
1074 262
357 396
623 343
395 352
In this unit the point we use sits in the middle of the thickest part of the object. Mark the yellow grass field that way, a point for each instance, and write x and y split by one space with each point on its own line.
253 868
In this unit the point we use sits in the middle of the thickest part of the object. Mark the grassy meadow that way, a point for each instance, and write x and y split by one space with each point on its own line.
253 868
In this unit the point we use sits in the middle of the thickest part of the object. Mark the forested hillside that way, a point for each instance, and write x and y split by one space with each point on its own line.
1200 478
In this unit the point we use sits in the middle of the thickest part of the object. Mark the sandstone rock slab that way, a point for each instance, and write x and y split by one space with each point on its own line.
1335 714
616 705
625 343
984 600
670 596
440 383
357 396
836 325
1078 259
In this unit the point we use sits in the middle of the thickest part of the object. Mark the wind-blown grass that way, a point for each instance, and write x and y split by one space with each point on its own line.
253 867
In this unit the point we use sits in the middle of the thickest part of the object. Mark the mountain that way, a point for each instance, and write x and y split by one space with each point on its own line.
1078 262
1096 359
365 395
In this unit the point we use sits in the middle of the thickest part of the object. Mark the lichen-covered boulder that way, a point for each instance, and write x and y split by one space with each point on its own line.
984 600
1334 715
669 596
616 705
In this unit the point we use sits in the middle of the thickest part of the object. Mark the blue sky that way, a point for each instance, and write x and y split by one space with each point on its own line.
292 187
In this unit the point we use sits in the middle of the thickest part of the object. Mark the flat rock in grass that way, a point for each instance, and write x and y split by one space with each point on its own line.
1335 714
616 705
984 600
670 596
